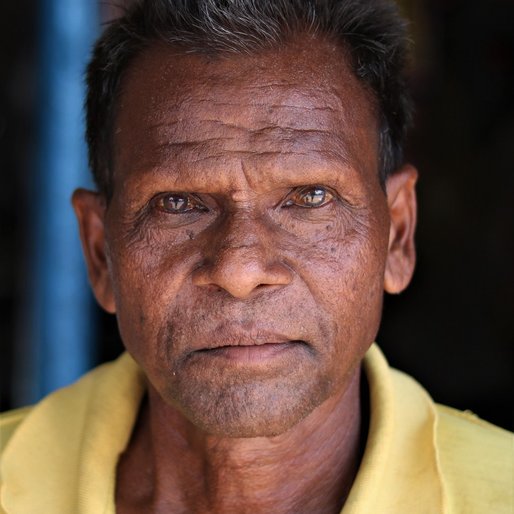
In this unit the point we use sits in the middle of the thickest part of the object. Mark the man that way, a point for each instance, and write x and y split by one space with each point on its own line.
252 207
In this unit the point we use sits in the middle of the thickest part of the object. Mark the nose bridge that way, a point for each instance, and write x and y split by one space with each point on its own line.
241 248
242 231
241 257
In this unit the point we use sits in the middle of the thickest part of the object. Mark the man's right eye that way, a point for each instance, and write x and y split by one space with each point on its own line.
177 203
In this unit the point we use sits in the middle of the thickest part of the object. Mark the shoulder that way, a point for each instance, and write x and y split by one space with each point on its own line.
56 408
48 417
64 405
476 462
474 459
54 454
10 421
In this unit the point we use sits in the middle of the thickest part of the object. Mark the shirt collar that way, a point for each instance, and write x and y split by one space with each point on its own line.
399 472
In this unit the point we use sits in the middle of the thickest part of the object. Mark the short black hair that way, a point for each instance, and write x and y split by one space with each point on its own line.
373 31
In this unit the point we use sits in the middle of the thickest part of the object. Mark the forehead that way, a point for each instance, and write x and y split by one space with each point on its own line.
286 106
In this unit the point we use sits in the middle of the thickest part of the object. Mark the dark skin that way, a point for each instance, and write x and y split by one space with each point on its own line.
245 252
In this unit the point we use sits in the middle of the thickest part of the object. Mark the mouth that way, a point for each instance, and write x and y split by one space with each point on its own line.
250 353
248 347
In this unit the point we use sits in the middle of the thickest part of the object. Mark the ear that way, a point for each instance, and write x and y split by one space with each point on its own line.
90 211
401 199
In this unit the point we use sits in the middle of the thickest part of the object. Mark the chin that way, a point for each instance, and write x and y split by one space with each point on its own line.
249 410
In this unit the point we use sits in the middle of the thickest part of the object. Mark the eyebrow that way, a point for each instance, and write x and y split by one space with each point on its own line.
190 176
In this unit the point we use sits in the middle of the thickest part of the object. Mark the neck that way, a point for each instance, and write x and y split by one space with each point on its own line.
179 468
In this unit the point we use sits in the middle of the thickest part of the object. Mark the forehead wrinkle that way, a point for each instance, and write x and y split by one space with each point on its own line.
288 133
268 139
219 150
231 144
328 98
261 173
244 103
205 118
205 138
308 147
244 116
264 109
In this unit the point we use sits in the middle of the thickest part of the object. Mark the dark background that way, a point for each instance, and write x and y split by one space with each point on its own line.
453 328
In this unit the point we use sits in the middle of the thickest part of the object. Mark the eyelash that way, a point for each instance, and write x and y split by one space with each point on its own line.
196 203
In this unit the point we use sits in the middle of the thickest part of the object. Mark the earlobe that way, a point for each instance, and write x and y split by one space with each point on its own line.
90 211
401 257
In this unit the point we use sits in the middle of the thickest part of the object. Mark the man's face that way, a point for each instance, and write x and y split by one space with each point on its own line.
247 236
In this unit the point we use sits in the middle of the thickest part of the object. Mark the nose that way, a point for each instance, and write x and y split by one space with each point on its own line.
242 259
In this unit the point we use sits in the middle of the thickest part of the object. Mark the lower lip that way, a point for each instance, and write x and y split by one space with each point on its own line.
250 354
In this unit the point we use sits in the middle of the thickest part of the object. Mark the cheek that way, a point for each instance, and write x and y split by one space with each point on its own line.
148 275
151 262
344 271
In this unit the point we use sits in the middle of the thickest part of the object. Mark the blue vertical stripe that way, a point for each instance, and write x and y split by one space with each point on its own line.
56 336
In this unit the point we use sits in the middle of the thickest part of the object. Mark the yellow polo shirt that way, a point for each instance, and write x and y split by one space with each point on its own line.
60 456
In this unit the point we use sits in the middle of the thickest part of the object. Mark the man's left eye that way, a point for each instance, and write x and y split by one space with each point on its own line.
310 197
177 203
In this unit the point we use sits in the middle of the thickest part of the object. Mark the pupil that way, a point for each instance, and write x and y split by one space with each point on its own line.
315 197
176 203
